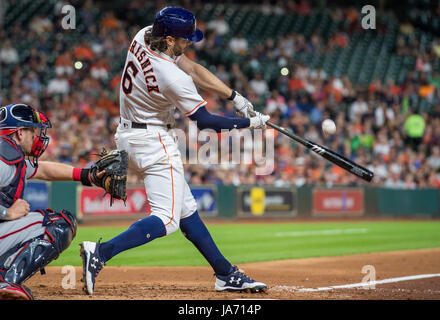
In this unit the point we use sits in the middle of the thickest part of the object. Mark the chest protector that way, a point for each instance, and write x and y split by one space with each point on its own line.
12 154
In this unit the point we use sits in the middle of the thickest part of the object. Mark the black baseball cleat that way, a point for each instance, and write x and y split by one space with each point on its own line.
92 264
12 291
238 281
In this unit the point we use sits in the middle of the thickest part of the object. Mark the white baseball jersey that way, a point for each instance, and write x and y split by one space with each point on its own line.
153 85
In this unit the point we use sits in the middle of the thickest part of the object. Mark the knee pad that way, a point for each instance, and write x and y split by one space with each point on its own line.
37 253
61 228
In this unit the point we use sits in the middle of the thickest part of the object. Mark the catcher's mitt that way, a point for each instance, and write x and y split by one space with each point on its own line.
114 180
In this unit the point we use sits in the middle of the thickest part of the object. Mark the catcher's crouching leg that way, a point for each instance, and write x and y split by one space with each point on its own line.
36 253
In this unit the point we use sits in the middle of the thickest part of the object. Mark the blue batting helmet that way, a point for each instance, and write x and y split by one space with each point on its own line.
176 22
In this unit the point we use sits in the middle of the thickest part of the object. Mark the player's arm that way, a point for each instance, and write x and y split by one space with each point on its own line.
207 120
53 171
19 209
56 171
182 93
205 79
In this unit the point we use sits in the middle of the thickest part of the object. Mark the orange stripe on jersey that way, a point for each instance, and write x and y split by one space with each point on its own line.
156 55
172 180
187 113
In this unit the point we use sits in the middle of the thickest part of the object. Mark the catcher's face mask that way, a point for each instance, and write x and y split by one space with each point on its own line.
42 140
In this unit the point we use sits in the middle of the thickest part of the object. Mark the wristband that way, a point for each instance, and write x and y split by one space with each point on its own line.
84 177
233 94
76 174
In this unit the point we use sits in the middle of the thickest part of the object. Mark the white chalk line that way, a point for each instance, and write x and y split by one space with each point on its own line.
328 232
355 285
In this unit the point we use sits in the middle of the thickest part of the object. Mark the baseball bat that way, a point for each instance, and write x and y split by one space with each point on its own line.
328 154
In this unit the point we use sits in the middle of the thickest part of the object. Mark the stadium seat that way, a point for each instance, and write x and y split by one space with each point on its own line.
368 55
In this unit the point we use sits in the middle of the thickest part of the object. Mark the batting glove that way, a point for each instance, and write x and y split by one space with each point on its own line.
259 120
242 104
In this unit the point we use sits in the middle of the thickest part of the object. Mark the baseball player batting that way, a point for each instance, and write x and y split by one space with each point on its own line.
29 240
157 78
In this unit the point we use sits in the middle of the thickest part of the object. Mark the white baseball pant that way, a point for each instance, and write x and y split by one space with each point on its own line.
154 154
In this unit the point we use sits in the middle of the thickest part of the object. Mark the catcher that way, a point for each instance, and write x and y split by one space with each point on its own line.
31 240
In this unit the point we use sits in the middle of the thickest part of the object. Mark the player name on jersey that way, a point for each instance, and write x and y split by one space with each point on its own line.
139 51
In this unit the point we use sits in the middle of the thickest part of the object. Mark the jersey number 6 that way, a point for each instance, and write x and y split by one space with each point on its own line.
127 82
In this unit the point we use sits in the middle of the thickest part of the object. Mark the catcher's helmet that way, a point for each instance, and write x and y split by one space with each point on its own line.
176 22
16 116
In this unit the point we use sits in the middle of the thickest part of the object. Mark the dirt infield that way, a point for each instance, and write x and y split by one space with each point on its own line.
287 280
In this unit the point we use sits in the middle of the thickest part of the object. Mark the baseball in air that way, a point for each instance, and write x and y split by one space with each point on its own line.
328 126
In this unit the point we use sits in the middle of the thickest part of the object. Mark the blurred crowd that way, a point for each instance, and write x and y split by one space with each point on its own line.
77 84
